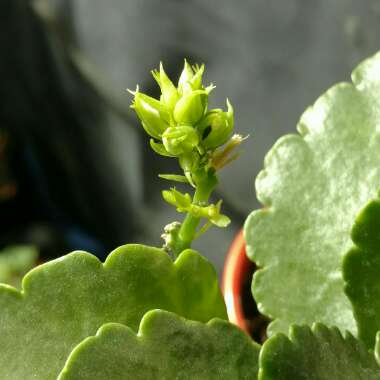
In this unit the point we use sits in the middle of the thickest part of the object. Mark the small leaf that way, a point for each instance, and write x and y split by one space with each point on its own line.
169 197
166 347
221 220
216 217
65 301
174 177
177 199
361 268
319 353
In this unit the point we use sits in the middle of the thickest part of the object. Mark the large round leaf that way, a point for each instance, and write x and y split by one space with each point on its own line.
312 186
167 347
68 299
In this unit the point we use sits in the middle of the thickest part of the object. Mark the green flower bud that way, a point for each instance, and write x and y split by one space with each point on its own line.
190 79
185 78
191 107
153 115
169 92
217 127
180 140
196 80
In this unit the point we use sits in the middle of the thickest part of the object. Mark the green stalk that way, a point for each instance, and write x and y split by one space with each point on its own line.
205 184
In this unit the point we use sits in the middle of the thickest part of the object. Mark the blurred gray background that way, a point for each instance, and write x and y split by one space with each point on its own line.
270 58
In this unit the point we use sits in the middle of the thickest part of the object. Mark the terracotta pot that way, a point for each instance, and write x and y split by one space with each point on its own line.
236 269
236 286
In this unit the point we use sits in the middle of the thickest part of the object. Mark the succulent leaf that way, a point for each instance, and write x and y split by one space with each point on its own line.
65 301
317 353
166 347
312 187
361 268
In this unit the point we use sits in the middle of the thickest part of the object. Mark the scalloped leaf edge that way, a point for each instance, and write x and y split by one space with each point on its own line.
144 332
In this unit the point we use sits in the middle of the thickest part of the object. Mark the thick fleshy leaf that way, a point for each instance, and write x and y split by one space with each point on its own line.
68 299
312 187
167 347
319 353
361 269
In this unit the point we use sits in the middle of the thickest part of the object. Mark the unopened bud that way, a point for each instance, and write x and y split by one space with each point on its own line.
153 115
196 80
169 92
180 140
186 76
217 127
190 79
191 107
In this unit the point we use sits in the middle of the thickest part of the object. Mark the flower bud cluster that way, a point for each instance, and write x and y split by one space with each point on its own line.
180 123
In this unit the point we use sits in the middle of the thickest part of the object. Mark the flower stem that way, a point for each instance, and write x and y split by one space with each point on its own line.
205 184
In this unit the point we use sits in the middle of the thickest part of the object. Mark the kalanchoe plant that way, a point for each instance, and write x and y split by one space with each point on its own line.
144 315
